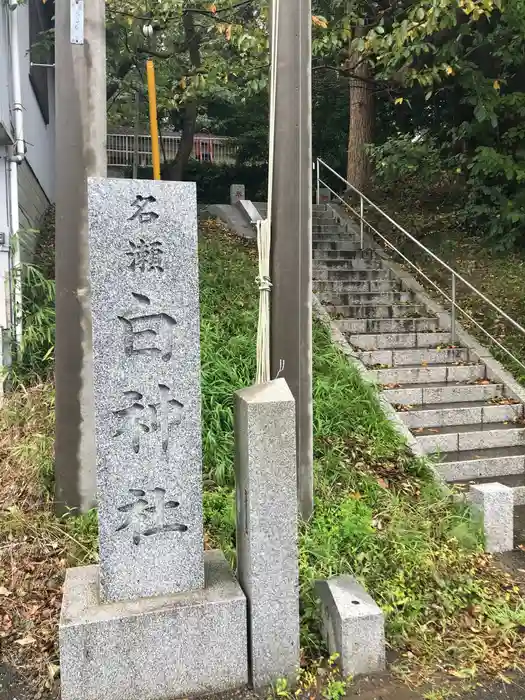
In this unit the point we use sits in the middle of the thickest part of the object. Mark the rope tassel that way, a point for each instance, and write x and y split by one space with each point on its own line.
264 227
265 286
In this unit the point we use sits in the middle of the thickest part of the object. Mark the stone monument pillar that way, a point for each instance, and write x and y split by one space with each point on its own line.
159 618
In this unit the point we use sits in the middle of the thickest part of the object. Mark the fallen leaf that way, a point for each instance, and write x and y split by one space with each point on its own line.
4 591
53 670
25 641
320 21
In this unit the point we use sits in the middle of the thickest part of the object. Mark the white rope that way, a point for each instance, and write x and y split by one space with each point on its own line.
264 227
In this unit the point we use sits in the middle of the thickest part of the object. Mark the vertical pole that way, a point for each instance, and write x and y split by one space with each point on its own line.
80 108
291 254
453 312
135 173
318 188
154 127
362 207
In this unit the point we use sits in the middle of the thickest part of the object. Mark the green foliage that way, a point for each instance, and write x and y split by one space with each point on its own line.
407 158
33 360
203 53
214 180
378 513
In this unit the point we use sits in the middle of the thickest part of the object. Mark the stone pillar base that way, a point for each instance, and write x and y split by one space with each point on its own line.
153 648
353 625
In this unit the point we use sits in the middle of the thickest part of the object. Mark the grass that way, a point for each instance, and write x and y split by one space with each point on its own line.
378 514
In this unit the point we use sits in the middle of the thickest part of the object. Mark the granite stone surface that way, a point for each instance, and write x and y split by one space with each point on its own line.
353 625
164 647
146 364
237 193
266 485
496 503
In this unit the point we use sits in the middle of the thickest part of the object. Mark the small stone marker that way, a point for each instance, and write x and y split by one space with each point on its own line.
325 195
267 559
353 625
237 192
496 503
146 348
159 618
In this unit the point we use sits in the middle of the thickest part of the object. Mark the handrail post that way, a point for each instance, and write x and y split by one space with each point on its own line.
453 312
362 207
318 187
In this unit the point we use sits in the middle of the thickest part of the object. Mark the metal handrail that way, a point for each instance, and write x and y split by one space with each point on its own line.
455 276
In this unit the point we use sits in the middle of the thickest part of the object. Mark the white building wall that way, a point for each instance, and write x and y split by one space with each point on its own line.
36 173
5 93
40 138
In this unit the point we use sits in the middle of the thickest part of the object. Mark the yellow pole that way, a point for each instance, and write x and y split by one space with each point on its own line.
154 127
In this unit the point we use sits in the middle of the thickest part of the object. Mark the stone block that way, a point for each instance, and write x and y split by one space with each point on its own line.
386 341
466 469
406 397
483 439
237 193
497 414
462 392
154 648
266 482
146 364
325 195
437 357
447 442
496 503
353 625
430 340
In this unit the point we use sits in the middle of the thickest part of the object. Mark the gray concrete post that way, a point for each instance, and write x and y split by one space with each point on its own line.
80 152
267 558
291 263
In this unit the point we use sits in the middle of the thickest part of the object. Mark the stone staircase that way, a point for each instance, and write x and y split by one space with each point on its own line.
442 393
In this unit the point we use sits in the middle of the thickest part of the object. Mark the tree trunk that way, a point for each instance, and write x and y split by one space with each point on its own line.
189 124
189 121
361 123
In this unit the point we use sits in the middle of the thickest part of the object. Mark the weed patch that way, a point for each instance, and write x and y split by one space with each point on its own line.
378 513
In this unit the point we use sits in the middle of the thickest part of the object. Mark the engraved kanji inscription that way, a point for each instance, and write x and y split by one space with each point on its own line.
148 333
141 204
141 416
134 418
146 256
145 515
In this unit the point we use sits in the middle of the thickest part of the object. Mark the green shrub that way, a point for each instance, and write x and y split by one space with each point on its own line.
214 180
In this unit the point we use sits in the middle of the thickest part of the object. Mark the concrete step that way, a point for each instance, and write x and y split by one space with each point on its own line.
341 286
347 274
401 358
329 230
357 263
460 413
398 312
342 245
516 482
385 325
429 374
489 463
373 299
458 438
395 341
342 255
424 394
